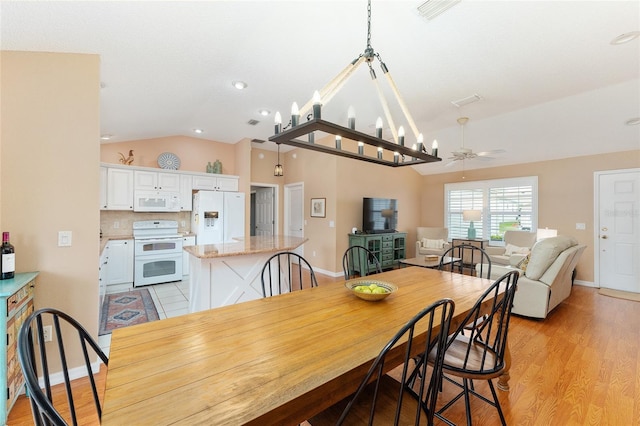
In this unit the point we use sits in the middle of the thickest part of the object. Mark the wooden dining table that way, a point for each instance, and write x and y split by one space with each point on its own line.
272 361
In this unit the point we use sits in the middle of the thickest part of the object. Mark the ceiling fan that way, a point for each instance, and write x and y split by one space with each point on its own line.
463 153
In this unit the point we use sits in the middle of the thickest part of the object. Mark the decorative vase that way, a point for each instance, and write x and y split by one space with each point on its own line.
217 167
209 167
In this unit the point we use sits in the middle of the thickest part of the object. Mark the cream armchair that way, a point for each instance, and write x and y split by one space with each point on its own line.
517 245
545 275
432 241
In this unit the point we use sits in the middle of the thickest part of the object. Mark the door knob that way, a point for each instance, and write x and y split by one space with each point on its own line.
604 237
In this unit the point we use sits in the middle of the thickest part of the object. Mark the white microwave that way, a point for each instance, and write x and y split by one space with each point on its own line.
156 201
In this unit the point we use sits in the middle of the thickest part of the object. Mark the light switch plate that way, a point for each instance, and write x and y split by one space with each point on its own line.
64 238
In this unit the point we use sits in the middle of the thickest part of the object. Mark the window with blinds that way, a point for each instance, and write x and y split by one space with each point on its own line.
505 204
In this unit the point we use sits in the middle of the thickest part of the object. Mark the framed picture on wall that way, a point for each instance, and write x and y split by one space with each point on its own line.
318 207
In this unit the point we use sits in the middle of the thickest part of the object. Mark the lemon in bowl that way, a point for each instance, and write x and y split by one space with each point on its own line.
372 290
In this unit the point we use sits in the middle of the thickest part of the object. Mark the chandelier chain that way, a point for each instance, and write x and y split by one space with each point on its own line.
369 25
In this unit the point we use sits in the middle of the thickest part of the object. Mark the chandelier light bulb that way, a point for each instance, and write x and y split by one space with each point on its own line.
317 105
401 136
295 114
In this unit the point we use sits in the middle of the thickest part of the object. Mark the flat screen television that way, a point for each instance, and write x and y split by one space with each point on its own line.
379 215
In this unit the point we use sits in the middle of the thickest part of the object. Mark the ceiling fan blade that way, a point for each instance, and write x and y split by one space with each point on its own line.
485 158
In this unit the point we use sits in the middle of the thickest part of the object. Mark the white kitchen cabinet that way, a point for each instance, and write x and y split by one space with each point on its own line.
151 181
186 190
102 275
103 188
215 183
119 189
189 240
120 262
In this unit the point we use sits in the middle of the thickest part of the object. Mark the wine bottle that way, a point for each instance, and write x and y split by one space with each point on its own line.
8 258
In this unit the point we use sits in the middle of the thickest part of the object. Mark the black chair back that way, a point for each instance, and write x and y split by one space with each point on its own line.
285 272
472 258
359 261
395 398
68 335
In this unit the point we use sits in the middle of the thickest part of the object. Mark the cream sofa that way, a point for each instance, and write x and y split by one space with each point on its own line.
517 245
432 241
547 277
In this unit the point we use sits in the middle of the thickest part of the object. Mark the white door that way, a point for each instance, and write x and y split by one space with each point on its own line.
264 206
294 212
618 229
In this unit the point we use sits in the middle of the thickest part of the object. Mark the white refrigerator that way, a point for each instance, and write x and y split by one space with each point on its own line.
217 216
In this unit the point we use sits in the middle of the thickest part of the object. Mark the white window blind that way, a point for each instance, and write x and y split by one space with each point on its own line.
505 204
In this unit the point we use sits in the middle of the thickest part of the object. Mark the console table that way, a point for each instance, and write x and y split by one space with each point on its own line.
388 248
16 303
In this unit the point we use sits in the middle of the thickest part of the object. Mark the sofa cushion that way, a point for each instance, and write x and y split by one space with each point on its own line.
545 252
433 244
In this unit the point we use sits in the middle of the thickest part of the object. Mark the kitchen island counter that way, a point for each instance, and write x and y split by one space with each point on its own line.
228 273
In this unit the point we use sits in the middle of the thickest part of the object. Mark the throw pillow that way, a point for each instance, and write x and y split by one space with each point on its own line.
524 263
511 249
434 244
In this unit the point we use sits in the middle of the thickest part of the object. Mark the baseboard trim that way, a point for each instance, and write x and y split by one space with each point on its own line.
585 283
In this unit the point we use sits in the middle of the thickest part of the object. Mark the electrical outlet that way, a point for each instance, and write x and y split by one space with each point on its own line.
47 332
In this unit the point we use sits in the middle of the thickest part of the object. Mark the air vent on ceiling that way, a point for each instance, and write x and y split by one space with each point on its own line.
468 100
252 122
432 8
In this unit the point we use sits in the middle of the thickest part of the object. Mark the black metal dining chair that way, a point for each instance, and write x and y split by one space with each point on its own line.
478 353
472 258
285 272
359 261
69 339
390 400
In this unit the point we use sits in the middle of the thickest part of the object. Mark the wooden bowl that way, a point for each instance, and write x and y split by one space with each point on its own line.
373 297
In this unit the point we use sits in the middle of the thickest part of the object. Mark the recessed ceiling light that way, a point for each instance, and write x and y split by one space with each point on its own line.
264 112
633 121
239 84
626 37
106 137
198 131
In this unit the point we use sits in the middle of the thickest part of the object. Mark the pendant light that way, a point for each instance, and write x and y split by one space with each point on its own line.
277 171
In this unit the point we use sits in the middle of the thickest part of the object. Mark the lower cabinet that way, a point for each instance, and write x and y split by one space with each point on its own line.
120 262
16 305
189 240
388 248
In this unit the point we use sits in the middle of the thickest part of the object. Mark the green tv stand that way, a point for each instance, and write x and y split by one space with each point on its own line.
388 248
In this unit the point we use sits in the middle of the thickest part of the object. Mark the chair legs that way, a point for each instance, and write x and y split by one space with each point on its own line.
467 390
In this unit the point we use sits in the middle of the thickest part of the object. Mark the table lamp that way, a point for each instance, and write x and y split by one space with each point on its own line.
470 216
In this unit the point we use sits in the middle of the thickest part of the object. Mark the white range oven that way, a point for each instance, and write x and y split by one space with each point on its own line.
157 252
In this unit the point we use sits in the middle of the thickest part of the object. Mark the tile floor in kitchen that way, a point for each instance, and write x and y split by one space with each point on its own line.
171 300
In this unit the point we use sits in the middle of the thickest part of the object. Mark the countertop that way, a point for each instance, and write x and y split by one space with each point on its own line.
251 245
105 239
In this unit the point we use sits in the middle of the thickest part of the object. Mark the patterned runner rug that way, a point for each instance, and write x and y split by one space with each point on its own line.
126 308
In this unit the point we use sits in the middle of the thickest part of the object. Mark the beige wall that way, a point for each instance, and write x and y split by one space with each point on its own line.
565 195
193 153
49 174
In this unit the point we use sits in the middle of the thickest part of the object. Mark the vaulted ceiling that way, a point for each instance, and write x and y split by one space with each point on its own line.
551 83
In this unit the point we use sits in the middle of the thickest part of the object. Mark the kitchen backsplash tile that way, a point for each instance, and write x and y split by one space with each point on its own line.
113 223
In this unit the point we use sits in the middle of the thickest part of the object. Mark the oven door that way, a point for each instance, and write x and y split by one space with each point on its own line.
156 246
159 268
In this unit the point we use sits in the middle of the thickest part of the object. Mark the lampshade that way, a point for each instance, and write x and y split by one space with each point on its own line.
546 233
471 215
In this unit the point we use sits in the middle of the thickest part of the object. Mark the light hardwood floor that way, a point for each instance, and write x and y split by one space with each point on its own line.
580 366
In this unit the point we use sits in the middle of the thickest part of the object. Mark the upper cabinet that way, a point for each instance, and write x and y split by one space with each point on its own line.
215 183
145 180
118 183
119 189
186 190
